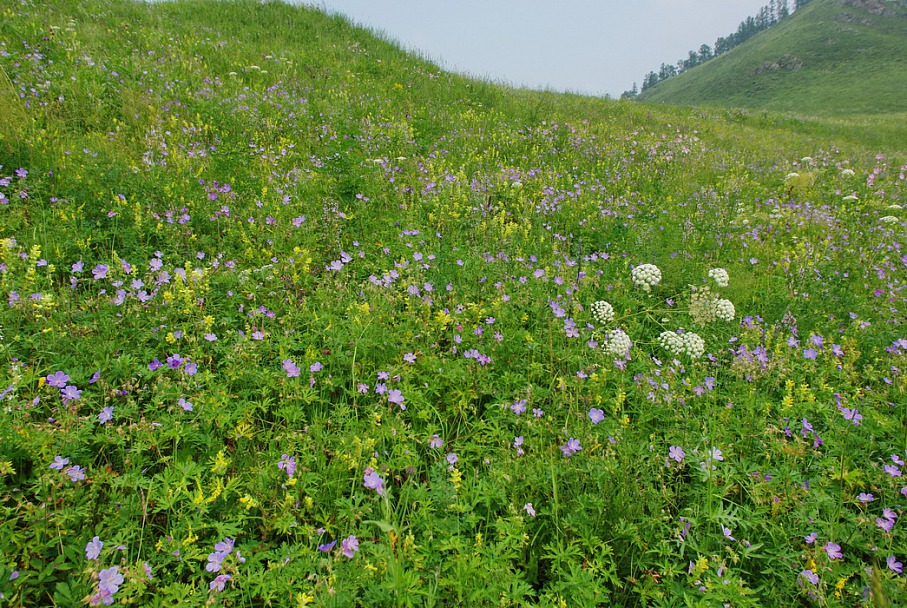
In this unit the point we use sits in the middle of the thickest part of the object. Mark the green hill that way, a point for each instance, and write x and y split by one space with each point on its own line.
831 58
289 317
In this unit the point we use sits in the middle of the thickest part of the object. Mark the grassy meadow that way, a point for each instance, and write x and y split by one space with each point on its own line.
290 317
835 58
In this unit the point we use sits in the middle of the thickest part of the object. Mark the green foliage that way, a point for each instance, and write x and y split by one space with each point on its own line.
291 318
831 58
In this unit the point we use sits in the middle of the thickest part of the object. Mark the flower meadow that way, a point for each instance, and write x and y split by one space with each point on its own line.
290 317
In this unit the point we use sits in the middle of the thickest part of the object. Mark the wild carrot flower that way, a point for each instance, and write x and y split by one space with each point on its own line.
720 276
646 276
602 312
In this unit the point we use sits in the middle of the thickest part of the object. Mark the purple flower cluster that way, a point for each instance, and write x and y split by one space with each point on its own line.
373 481
571 447
109 582
288 464
75 472
221 551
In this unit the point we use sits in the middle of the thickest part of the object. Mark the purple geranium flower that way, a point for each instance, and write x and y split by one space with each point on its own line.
106 415
57 379
596 415
373 481
110 580
349 546
291 368
396 397
287 463
70 393
833 550
571 447
93 548
811 576
59 462
218 583
675 452
326 547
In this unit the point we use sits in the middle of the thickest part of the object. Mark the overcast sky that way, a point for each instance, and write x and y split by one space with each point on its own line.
585 46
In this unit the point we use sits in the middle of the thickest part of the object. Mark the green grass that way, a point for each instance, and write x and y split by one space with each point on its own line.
270 283
828 59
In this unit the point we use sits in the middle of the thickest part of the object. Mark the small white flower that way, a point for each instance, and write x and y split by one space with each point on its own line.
646 276
720 275
618 343
693 345
602 312
671 342
725 310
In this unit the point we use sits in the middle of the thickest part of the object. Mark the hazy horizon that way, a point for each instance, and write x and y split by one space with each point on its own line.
581 46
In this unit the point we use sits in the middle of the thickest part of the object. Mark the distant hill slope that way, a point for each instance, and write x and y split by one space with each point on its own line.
832 57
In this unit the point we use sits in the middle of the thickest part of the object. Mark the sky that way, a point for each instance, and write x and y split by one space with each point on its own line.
594 47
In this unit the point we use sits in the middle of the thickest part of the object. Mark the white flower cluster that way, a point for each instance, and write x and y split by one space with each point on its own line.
646 276
617 344
889 219
671 342
720 275
724 310
687 343
706 308
602 312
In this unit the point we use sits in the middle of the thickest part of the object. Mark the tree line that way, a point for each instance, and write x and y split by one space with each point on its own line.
770 14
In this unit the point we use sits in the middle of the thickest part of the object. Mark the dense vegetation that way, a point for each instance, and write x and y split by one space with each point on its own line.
769 15
290 317
830 57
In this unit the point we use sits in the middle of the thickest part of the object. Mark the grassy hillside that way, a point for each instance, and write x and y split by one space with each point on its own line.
292 318
831 58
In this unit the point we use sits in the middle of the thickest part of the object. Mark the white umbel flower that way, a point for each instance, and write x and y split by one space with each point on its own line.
724 310
602 312
720 275
693 345
671 342
646 276
618 343
889 219
847 173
